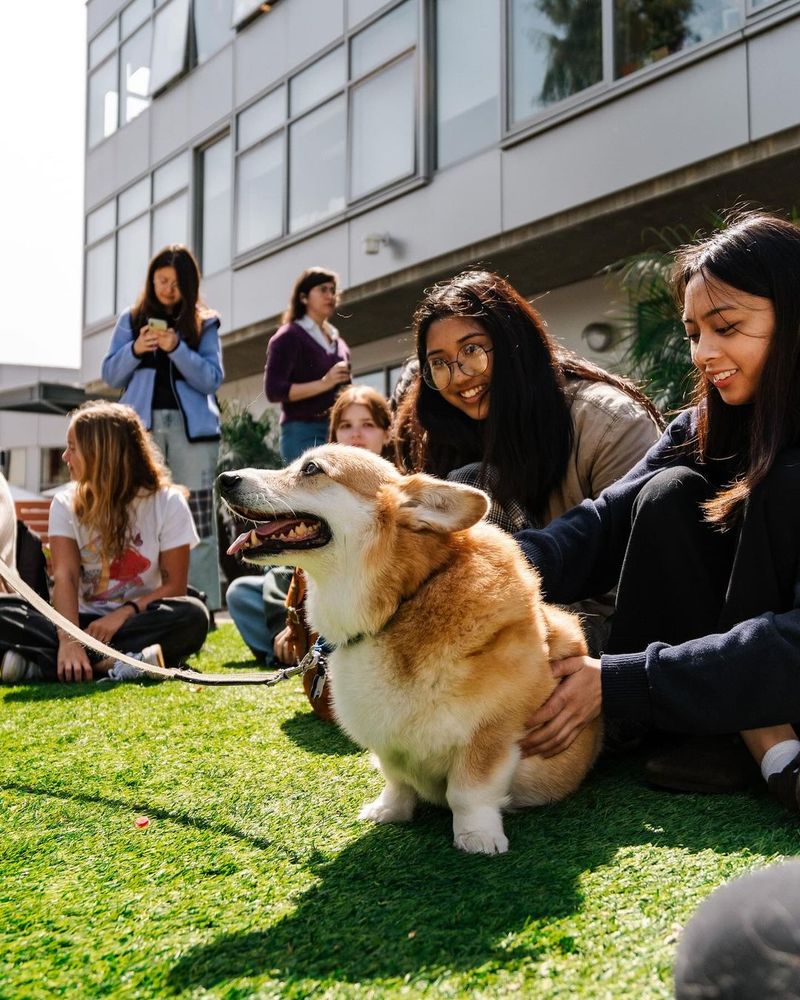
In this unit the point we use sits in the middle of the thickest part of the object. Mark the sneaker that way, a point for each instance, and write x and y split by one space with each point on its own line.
151 655
785 785
15 669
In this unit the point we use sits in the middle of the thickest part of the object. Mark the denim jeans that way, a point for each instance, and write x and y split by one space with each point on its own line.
257 605
298 435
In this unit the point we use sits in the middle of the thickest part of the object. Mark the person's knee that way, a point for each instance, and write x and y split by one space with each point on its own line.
671 493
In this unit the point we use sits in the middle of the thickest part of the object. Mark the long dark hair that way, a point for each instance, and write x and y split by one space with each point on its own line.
308 279
528 433
188 321
757 254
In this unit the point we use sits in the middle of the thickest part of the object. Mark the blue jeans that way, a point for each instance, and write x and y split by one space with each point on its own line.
298 435
257 605
193 464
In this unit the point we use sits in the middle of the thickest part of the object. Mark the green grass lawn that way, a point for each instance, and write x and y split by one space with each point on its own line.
255 879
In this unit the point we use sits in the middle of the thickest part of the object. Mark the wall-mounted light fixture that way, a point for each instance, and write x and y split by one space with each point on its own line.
600 337
373 242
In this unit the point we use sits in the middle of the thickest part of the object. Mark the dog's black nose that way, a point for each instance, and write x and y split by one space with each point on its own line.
227 480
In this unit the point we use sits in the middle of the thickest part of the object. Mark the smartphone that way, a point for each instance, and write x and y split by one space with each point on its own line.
157 324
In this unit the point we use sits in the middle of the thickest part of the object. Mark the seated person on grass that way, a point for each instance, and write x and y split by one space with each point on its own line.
702 539
120 536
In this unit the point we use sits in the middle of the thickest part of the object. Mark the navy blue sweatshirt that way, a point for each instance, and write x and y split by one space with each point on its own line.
745 678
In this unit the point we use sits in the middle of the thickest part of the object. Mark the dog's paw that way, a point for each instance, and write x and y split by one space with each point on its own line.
481 842
383 811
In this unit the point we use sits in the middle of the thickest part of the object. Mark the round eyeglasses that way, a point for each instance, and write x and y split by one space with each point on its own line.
472 359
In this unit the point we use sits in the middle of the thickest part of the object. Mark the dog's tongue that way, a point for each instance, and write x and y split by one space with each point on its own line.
262 530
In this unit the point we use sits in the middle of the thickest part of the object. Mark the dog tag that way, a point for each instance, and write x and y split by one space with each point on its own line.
318 684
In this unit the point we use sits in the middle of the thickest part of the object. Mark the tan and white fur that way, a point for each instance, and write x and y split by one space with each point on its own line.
443 641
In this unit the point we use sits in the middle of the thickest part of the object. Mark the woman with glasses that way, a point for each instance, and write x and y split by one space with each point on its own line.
165 353
501 405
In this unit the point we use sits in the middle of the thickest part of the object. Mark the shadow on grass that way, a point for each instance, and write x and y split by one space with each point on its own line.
401 901
305 730
182 818
56 692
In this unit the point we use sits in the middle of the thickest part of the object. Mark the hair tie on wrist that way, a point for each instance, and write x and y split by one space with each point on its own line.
132 604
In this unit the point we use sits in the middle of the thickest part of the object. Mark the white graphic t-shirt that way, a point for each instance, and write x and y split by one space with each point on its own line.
159 522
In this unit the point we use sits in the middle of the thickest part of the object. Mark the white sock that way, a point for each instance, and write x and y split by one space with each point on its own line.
778 756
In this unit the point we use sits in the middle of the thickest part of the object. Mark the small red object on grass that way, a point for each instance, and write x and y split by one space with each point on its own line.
142 822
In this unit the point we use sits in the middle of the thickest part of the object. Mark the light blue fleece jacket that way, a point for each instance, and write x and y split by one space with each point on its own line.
201 370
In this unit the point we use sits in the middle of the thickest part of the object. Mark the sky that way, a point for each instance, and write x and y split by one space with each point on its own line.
42 83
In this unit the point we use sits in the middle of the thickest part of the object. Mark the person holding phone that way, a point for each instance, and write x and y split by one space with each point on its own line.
165 353
307 362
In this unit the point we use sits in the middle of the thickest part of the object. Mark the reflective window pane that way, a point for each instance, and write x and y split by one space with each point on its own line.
318 81
556 51
170 43
212 27
317 165
170 223
243 9
261 118
259 194
133 256
383 129
216 239
134 14
171 177
134 74
467 77
99 282
357 10
375 380
389 36
134 200
643 34
103 45
103 102
101 221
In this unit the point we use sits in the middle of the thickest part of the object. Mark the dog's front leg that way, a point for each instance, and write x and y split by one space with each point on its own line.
476 795
396 802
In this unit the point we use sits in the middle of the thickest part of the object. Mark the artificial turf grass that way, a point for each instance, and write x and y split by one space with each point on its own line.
254 877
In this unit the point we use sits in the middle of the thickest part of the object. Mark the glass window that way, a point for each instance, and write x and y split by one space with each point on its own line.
170 223
134 74
133 256
16 460
99 282
103 45
375 380
261 118
259 186
170 48
381 155
395 374
317 165
53 471
556 51
357 10
101 221
134 200
103 102
216 218
388 37
645 33
467 77
212 27
134 14
320 80
242 9
171 177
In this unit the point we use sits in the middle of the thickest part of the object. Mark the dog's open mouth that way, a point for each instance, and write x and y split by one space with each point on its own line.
279 533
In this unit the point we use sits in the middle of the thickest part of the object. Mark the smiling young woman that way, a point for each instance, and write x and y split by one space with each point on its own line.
501 405
703 540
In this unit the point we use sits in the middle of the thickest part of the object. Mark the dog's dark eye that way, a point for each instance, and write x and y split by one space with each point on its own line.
312 469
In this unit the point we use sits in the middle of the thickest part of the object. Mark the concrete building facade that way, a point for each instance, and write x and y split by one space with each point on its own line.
399 141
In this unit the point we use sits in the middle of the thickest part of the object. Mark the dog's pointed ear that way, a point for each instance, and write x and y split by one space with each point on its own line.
428 504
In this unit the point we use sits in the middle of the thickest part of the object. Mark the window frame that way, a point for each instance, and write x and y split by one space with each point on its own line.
423 136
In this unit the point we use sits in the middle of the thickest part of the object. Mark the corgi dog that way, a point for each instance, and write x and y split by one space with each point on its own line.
442 639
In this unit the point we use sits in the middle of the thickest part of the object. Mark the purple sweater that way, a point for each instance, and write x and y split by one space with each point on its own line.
293 357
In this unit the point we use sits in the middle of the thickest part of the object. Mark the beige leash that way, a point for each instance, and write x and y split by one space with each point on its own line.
14 580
